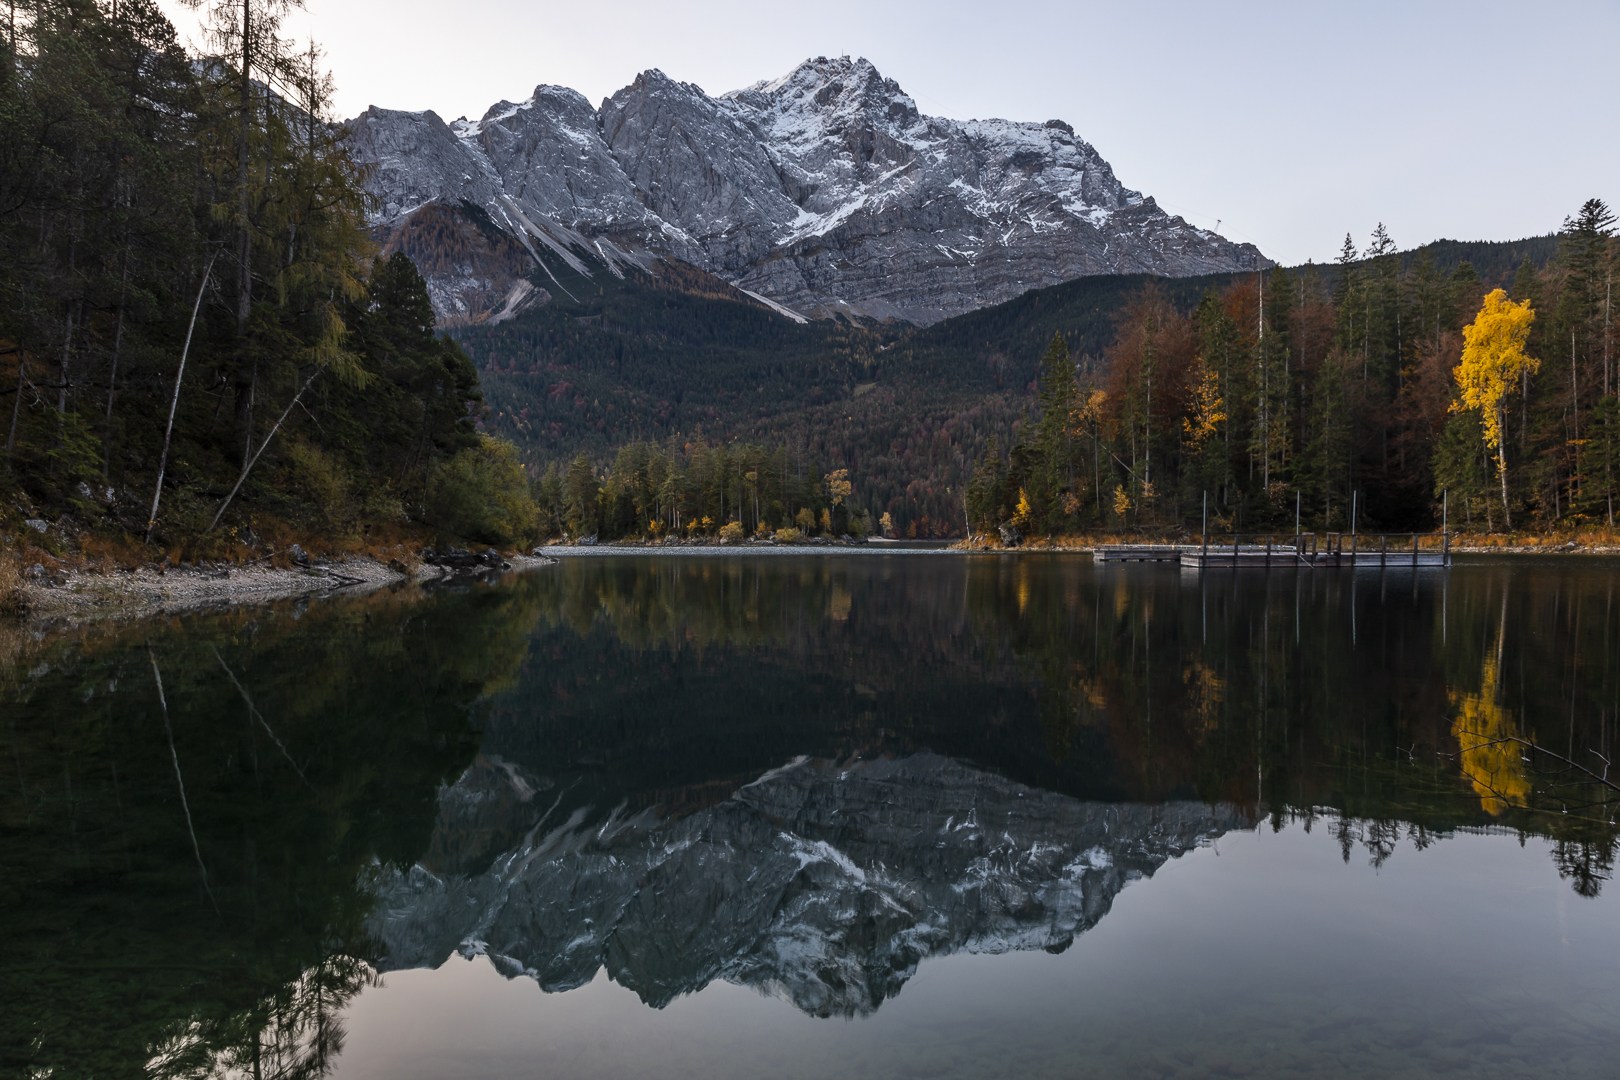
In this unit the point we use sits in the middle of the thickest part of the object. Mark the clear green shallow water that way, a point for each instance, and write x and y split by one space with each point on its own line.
886 815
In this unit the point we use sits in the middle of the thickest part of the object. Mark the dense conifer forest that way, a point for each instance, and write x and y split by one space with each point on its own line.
1107 403
1297 395
202 345
198 343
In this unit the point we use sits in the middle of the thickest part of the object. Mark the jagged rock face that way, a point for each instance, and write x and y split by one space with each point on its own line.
825 191
472 274
552 161
415 160
822 884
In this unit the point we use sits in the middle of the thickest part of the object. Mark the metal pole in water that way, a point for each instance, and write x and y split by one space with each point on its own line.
1355 511
1296 520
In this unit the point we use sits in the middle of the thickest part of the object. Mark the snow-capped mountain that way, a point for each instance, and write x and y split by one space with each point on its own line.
822 883
823 191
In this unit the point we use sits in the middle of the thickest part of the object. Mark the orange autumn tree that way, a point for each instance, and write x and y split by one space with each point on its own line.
1493 362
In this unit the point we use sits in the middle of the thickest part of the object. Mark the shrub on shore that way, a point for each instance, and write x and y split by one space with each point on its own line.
482 494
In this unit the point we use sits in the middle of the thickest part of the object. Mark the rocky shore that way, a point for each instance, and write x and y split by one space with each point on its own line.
77 594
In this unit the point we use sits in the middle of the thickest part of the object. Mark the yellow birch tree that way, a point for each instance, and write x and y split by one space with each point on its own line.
1493 362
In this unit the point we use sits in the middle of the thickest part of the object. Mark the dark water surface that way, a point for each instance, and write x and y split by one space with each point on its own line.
878 815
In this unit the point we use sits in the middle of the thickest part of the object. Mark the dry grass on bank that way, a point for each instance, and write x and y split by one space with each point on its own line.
13 601
1589 537
1074 542
96 552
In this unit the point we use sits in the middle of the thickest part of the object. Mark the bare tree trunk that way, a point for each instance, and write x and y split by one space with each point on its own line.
244 241
1501 461
247 466
1575 427
179 779
16 406
67 345
174 402
112 371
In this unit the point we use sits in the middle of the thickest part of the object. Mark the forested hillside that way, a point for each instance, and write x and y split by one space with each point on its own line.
609 362
202 344
1389 381
198 344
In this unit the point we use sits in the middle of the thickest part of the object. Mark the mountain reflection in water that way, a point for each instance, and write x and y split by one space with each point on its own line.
803 775
822 883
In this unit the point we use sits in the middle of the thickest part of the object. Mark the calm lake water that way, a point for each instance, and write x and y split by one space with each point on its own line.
870 815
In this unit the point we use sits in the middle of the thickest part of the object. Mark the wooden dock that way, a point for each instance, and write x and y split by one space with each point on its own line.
1140 552
1392 551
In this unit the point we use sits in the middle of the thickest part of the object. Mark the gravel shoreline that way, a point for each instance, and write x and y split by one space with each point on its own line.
77 595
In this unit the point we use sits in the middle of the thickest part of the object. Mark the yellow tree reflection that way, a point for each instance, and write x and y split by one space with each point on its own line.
1484 730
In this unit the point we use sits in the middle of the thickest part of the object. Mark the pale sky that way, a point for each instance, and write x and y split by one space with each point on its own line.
1289 123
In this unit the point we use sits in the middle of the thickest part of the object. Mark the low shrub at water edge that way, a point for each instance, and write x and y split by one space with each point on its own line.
482 494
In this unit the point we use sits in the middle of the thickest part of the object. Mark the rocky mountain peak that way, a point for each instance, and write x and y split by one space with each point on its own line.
834 85
825 190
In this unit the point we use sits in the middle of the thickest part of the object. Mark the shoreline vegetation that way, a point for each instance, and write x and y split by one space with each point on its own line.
1572 542
1382 399
207 361
81 589
1371 396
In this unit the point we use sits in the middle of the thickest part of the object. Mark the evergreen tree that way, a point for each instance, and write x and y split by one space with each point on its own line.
148 271
1462 471
580 493
1217 337
1603 462
1053 478
548 498
985 497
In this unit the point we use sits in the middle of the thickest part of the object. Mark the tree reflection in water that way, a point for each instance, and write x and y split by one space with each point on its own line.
326 751
223 932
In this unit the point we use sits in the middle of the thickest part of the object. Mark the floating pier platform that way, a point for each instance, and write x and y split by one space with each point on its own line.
1300 551
1140 552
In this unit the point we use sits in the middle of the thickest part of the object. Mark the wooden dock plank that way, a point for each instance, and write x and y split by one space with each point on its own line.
1301 552
1308 554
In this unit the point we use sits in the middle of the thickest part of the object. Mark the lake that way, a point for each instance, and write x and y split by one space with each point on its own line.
877 814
